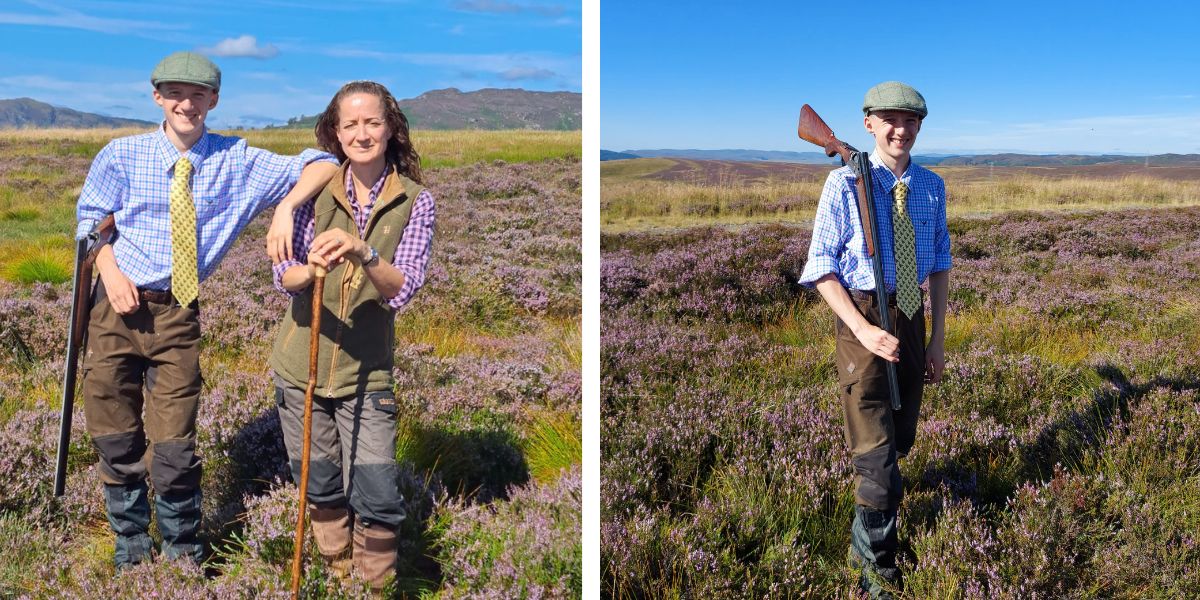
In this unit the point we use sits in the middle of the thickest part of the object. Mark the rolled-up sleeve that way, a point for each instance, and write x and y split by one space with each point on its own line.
302 237
103 193
941 245
412 253
830 233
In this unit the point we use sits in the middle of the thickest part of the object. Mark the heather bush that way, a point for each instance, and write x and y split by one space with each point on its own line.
1058 457
527 547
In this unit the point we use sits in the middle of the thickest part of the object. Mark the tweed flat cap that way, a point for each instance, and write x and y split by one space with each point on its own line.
187 67
894 95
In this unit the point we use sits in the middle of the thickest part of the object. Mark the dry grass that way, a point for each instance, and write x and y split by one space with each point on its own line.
635 196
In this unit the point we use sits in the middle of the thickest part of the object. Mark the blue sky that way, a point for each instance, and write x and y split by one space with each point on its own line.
283 58
1016 75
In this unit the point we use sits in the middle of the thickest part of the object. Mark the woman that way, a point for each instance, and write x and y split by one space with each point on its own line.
371 227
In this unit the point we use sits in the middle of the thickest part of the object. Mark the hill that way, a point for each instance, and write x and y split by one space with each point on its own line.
22 113
610 155
489 108
946 160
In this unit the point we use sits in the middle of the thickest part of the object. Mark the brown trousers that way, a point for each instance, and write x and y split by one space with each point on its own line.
876 435
145 362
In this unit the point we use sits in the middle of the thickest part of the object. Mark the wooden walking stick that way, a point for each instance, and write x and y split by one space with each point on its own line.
314 339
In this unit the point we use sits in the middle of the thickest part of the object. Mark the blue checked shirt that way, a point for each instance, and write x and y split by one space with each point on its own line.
839 247
231 184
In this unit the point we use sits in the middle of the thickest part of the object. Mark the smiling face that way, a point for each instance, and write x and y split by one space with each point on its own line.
185 105
895 131
362 128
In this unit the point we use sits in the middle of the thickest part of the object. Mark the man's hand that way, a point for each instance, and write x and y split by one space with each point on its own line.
336 246
279 237
935 362
880 342
122 293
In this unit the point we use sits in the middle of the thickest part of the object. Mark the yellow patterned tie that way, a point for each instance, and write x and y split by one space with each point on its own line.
184 281
907 296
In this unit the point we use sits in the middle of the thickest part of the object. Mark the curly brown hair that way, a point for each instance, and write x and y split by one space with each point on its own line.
400 151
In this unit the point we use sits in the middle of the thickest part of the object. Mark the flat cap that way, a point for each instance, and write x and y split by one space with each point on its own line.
894 95
187 67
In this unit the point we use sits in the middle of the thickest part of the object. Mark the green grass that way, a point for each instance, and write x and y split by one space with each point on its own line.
554 443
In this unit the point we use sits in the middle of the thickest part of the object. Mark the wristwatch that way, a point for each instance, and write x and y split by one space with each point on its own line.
373 259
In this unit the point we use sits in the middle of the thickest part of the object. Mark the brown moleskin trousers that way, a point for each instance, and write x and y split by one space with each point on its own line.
147 361
876 435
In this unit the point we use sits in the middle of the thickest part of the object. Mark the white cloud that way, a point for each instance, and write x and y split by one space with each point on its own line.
504 7
1148 133
56 16
245 46
519 73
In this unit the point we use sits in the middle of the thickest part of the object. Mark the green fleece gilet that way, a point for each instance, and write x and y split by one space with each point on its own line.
355 352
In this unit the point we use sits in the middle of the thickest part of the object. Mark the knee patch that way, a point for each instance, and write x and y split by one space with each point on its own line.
121 456
879 484
375 494
175 466
324 481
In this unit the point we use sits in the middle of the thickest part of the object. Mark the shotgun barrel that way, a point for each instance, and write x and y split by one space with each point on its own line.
814 130
81 307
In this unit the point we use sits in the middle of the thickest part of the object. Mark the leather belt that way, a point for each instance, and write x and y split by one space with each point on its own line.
156 296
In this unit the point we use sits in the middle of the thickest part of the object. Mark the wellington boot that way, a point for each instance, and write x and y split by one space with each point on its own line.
375 553
331 530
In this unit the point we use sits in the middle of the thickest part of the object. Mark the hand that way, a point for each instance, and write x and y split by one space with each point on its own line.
279 236
121 291
880 342
935 362
336 246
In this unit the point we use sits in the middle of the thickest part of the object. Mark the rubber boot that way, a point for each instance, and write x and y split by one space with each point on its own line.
873 545
375 553
179 523
331 530
129 516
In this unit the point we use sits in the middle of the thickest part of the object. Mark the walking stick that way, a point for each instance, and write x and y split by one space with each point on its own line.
317 295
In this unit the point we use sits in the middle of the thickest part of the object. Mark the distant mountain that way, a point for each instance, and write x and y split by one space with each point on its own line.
816 158
610 155
999 160
485 109
29 113
1057 160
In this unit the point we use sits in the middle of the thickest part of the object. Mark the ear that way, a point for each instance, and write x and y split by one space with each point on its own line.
158 98
213 103
867 124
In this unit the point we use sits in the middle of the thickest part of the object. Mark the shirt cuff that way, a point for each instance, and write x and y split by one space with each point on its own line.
816 268
278 270
85 227
406 293
942 263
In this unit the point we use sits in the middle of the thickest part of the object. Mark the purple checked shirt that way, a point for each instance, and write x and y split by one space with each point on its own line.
231 183
412 253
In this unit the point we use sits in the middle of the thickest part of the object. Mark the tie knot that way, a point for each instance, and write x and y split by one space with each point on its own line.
183 166
900 193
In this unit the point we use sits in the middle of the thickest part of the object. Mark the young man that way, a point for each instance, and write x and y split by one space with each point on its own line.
910 207
181 196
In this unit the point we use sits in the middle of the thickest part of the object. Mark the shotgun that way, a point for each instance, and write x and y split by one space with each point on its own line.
813 129
81 307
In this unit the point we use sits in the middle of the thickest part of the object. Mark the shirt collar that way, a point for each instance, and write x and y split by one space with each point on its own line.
375 189
169 155
878 165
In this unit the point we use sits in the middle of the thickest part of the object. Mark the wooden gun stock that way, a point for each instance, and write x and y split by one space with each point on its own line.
812 129
86 250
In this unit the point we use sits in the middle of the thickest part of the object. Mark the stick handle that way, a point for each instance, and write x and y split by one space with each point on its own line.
318 292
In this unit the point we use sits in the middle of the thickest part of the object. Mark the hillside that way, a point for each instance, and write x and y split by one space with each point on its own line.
22 113
486 109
